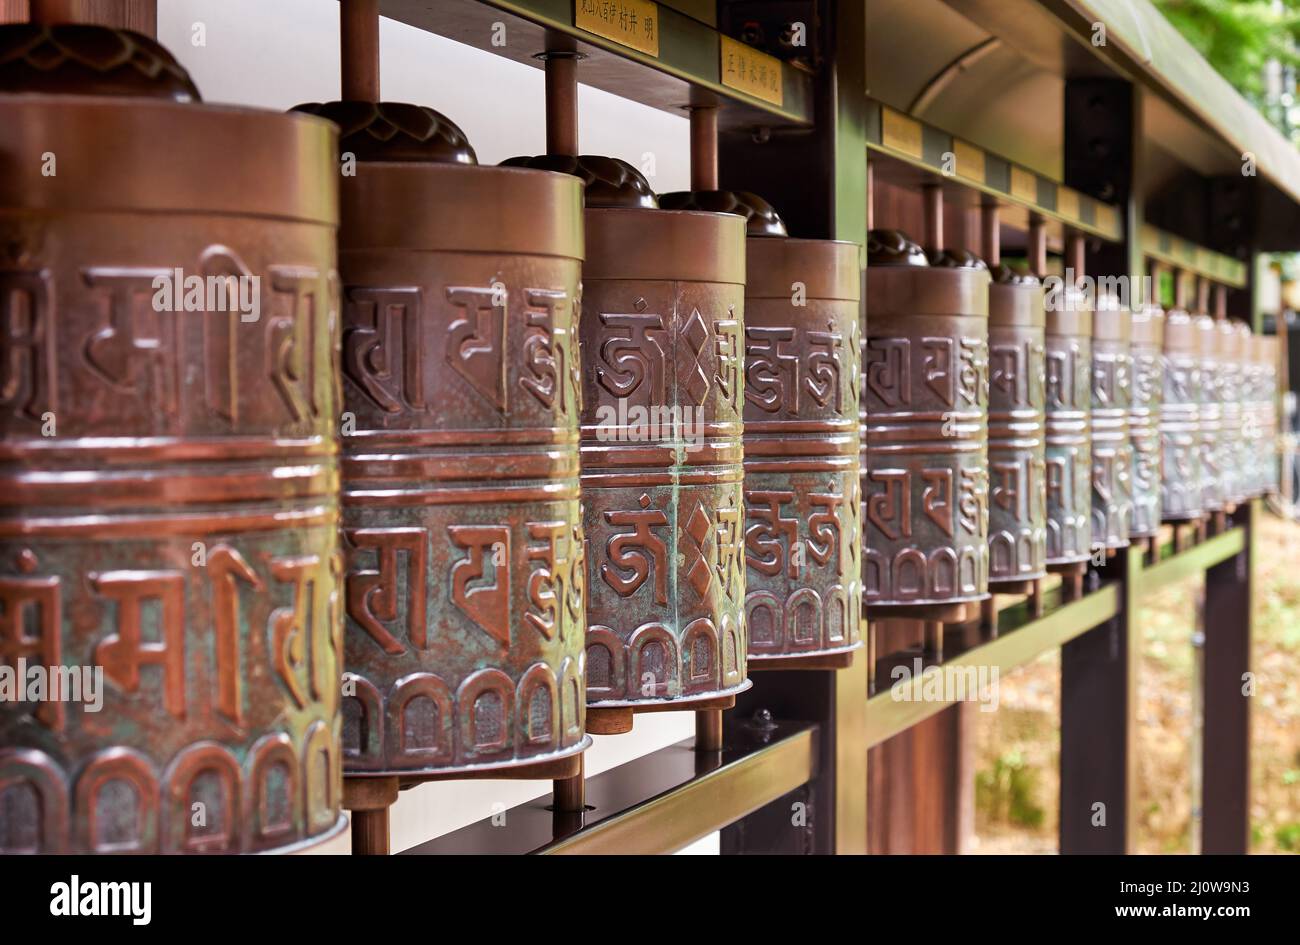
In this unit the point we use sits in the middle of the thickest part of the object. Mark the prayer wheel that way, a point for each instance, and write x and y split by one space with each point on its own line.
1267 352
1211 412
662 337
1017 448
1068 342
168 544
1147 339
925 456
1181 496
464 646
802 538
1234 344
1112 451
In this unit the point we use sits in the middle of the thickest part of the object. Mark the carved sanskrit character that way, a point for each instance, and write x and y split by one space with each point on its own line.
123 653
937 499
771 377
134 351
549 585
726 333
546 357
19 597
373 319
939 368
476 340
628 552
226 568
889 370
764 551
824 532
487 604
27 352
292 628
372 595
291 348
891 510
632 353
825 369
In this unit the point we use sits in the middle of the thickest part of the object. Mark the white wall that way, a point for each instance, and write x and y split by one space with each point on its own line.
279 53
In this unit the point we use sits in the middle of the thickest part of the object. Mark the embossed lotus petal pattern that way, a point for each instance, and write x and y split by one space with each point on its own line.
395 131
89 60
761 218
608 182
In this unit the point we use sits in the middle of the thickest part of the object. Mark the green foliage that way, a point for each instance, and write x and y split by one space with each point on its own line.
1239 37
1008 792
1288 837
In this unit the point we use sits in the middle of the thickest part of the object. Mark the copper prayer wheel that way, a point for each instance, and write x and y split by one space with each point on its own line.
1252 419
1231 346
1112 451
663 387
461 528
1180 420
168 456
925 405
1211 413
802 538
1017 448
1267 352
1068 341
1144 418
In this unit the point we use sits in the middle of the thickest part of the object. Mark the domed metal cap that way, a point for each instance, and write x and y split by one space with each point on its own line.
1006 275
395 131
761 218
957 259
893 248
80 59
1149 326
608 182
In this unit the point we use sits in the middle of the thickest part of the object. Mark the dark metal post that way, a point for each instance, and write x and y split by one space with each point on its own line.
1225 754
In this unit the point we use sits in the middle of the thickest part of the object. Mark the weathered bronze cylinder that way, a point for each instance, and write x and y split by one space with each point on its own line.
1112 451
1231 440
1252 415
168 455
1267 352
1017 448
465 573
1144 418
1068 342
663 387
1181 494
802 540
1211 415
925 403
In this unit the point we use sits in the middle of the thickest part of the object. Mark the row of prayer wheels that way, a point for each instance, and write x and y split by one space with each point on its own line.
1011 427
334 452
340 454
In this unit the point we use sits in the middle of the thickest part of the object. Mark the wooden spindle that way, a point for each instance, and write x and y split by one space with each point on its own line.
359 49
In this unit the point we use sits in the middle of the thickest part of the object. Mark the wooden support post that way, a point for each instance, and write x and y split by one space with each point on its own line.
1098 702
359 48
561 103
1229 591
990 233
1037 245
569 795
704 147
932 194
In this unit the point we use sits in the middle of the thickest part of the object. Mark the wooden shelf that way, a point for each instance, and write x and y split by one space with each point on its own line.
658 803
687 69
919 152
1187 256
